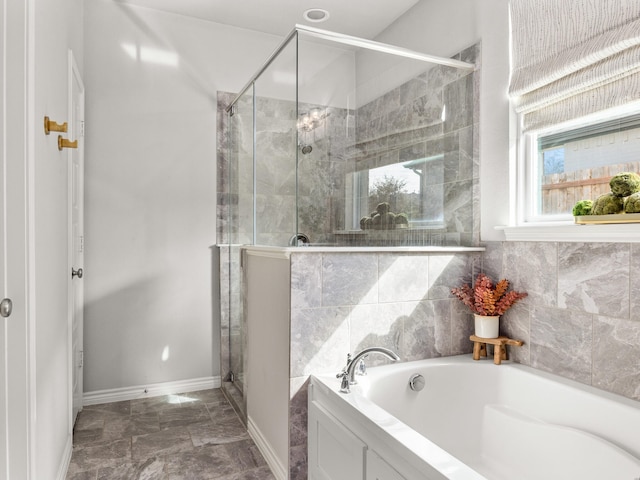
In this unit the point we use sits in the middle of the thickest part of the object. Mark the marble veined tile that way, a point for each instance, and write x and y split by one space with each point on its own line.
203 463
186 415
133 425
244 455
378 326
211 397
349 279
216 447
88 475
102 454
260 473
225 429
148 469
319 339
461 328
448 271
561 342
403 277
170 440
306 280
635 282
109 409
427 331
616 356
492 259
154 404
532 267
594 277
515 324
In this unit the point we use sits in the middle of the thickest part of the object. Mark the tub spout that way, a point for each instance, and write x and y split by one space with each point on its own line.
347 375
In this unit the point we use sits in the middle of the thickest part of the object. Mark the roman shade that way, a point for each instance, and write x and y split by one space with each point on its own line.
571 58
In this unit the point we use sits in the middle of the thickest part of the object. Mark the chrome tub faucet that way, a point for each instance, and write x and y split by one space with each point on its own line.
347 375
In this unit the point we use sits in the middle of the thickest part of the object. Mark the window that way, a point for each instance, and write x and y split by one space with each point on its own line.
413 188
559 76
575 162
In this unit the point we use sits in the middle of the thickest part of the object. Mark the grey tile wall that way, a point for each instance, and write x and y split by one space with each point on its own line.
344 302
581 319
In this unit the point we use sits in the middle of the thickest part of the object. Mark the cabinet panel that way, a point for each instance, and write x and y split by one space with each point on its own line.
335 453
378 469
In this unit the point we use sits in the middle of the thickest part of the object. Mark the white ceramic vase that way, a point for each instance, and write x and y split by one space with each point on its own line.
487 326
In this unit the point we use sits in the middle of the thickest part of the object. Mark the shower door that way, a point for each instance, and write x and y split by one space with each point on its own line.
240 228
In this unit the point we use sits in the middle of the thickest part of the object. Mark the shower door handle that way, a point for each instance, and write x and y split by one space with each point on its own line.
76 273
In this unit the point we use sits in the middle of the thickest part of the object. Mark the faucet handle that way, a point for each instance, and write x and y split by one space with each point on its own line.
344 382
346 367
361 368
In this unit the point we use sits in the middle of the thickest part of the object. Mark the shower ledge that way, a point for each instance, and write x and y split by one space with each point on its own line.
280 252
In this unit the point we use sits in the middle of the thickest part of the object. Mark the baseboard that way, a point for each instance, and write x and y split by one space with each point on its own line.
279 471
147 391
66 459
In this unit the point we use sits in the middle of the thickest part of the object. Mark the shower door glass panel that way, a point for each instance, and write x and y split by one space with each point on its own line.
276 150
241 232
326 127
388 155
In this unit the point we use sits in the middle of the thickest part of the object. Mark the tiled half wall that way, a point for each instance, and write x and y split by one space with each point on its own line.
344 302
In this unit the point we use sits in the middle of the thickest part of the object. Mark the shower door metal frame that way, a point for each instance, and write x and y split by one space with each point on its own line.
355 42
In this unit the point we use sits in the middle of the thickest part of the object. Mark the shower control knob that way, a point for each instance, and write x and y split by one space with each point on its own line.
416 382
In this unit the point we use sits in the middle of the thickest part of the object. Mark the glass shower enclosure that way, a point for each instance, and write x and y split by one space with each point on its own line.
342 141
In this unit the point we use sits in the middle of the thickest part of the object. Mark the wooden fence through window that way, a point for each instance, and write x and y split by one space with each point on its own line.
561 191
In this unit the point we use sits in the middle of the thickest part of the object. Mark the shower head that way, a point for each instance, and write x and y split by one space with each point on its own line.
306 149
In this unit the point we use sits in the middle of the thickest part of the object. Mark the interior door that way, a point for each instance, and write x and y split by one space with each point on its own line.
76 231
16 159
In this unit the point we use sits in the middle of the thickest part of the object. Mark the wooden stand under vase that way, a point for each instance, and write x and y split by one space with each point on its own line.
499 351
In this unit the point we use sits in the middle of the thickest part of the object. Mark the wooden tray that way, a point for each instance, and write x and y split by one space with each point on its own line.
604 219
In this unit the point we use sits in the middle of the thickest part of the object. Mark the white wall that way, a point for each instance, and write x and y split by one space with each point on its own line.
497 145
150 189
58 27
435 27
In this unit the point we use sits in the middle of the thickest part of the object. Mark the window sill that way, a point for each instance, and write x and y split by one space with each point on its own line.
570 232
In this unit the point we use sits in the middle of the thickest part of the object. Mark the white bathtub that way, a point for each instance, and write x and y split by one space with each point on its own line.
473 420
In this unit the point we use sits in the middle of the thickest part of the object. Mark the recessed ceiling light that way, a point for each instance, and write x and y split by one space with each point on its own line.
316 15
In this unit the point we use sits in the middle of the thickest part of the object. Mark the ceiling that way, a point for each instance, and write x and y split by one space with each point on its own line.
361 18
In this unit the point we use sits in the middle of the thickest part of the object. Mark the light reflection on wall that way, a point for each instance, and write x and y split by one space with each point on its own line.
151 55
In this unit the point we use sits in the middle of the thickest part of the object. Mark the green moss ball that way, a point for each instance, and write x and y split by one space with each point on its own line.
625 184
607 204
583 207
632 203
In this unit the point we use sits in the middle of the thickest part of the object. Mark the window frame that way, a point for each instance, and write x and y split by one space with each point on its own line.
528 226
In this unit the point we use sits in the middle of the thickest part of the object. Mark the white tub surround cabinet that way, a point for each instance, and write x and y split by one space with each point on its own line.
526 424
345 445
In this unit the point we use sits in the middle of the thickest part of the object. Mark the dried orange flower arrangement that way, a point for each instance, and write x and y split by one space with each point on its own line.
488 299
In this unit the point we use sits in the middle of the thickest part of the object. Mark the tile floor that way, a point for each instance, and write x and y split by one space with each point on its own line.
191 436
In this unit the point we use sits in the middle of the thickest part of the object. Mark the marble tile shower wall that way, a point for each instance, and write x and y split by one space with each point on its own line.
403 124
434 114
581 319
344 302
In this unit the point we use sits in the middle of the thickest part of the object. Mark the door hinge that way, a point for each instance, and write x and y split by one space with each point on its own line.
81 244
82 128
81 358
